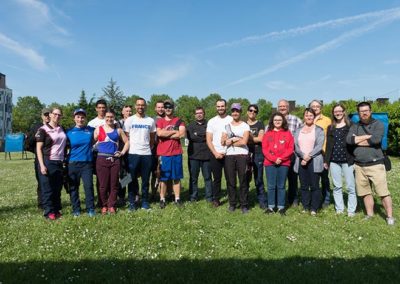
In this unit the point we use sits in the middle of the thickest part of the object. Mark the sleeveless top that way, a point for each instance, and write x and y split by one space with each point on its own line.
107 142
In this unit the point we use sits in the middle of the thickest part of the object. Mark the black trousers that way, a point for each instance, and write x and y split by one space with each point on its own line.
310 191
217 165
235 165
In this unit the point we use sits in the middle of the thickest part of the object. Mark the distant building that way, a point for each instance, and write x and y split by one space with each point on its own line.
5 110
382 101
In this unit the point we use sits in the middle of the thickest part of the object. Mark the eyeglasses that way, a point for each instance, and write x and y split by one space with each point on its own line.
57 114
316 106
253 110
46 114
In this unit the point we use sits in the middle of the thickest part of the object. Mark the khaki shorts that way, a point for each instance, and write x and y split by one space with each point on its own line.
371 175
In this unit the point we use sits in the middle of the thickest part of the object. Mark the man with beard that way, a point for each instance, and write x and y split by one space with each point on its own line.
215 128
141 131
366 136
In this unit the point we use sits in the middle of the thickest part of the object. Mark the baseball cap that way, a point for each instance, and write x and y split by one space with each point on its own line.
168 105
46 110
80 110
236 106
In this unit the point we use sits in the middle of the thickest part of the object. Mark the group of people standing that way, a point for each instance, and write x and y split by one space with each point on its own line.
288 148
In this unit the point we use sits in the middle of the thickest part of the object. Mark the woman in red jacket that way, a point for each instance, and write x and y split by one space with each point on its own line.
277 147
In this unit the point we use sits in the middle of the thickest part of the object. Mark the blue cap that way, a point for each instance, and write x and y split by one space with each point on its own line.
80 110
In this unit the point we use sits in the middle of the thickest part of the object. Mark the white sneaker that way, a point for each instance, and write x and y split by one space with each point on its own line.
351 214
390 221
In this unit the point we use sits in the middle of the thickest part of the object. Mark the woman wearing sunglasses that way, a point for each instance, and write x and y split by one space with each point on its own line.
257 157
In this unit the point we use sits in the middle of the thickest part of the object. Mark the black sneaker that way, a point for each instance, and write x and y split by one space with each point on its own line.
263 206
245 210
178 203
162 204
269 211
282 212
231 208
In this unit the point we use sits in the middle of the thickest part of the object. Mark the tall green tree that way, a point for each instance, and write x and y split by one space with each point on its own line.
114 96
209 103
264 110
186 106
26 113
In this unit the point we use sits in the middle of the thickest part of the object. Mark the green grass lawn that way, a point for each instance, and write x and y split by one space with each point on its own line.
195 243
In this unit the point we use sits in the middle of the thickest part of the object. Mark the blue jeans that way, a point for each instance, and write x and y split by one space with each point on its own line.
76 171
51 185
142 163
195 166
276 178
336 173
258 172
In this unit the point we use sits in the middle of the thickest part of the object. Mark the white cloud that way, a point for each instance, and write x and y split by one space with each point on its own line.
279 86
33 57
165 75
297 31
38 14
332 44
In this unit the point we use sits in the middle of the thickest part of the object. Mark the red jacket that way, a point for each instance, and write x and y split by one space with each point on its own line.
277 144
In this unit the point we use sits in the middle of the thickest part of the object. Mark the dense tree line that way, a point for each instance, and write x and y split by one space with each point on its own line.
26 112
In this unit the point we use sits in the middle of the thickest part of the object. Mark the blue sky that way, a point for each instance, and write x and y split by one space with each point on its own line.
297 50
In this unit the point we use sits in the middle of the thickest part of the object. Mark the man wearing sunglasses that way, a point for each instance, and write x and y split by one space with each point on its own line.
170 130
31 147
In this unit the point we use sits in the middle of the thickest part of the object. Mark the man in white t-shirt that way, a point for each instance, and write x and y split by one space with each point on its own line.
141 130
101 106
215 128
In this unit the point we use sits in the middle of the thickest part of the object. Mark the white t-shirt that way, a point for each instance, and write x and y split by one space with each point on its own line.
96 122
216 126
139 129
238 131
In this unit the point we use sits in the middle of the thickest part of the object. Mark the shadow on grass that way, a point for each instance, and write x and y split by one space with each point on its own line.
295 269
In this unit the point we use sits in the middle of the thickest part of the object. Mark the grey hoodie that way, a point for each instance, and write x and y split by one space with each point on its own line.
367 155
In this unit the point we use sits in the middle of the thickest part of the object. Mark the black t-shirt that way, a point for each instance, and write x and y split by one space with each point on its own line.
255 148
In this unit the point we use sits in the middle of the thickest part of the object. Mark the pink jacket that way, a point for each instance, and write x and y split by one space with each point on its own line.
277 144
